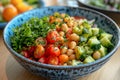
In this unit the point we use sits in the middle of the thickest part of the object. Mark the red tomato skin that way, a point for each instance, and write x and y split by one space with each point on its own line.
31 49
47 48
53 50
53 60
25 54
42 59
52 37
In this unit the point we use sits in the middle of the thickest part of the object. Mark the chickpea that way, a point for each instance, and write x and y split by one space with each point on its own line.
70 24
58 20
80 22
69 62
64 50
61 39
75 24
63 15
64 27
65 64
72 44
96 55
72 57
61 33
66 19
72 18
74 37
69 52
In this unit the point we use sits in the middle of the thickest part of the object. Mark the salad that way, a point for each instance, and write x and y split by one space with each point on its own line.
11 8
106 4
60 39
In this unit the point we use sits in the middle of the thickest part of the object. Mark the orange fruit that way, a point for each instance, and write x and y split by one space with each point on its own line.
16 2
0 4
22 7
9 12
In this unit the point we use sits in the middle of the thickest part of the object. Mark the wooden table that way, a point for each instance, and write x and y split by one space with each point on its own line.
11 70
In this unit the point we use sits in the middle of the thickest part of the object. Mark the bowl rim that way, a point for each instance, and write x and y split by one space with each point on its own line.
3 24
97 8
38 64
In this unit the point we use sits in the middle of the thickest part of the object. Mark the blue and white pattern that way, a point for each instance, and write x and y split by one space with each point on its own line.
62 72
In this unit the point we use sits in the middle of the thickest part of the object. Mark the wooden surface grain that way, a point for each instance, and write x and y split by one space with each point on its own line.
10 69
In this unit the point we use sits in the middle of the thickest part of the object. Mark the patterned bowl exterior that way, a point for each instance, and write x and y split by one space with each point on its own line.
62 72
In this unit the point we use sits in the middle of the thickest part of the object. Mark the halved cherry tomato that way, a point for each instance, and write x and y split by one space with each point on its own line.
39 51
43 59
41 41
53 60
69 32
53 50
52 37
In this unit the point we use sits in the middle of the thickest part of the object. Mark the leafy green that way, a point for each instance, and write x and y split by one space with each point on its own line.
26 34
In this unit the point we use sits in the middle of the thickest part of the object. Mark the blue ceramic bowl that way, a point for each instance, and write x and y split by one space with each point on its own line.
3 24
62 72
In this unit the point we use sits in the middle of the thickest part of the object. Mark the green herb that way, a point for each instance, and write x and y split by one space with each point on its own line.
26 34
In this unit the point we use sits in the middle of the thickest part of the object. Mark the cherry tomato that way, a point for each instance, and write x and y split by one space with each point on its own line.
63 58
31 49
52 37
53 50
53 60
41 41
39 51
25 54
43 59
69 32
31 58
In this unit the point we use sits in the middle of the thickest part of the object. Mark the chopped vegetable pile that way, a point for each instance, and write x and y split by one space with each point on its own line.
106 4
60 39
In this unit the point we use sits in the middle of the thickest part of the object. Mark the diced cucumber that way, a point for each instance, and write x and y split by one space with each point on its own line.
103 51
88 59
107 35
77 30
94 43
106 42
95 31
75 62
79 51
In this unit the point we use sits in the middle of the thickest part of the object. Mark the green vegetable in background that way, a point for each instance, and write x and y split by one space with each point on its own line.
34 3
106 4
